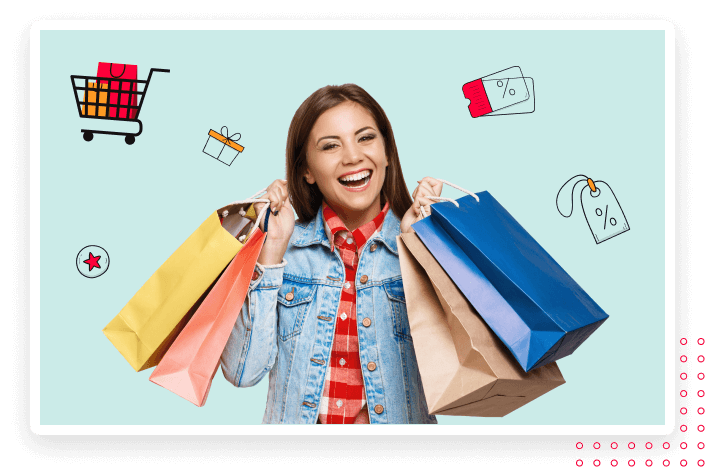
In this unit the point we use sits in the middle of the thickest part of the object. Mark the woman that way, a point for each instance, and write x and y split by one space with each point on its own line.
325 314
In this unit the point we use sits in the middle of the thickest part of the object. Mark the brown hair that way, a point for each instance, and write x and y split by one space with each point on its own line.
306 198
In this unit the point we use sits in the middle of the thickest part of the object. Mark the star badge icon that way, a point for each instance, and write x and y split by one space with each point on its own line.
92 261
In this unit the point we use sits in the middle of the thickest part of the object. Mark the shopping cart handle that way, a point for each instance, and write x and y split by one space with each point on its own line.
160 70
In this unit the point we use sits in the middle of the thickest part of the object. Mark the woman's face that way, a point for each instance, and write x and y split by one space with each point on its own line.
346 158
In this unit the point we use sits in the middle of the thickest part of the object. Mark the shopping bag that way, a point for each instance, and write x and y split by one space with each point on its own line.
189 365
90 110
146 327
465 369
125 80
532 304
223 147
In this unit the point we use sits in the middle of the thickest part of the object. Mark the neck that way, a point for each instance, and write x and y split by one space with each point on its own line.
353 219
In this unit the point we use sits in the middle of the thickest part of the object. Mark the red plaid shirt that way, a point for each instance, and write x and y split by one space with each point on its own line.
344 400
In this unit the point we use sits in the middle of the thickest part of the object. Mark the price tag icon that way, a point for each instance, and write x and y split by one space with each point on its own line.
602 211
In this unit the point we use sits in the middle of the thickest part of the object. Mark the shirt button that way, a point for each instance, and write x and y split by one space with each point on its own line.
342 362
339 402
371 366
379 409
344 316
347 285
373 247
363 279
255 275
349 240
366 322
289 296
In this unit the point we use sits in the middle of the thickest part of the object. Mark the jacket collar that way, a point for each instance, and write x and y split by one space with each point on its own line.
314 232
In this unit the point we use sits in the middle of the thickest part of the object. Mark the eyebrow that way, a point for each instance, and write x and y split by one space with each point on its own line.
336 137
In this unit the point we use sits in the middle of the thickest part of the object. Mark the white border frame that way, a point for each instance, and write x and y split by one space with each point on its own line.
324 430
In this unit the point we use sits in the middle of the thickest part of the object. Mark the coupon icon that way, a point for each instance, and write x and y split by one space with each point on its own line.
508 91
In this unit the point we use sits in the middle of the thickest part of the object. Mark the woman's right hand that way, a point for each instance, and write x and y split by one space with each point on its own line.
280 227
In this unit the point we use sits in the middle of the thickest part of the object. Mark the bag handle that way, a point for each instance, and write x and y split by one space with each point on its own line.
124 66
440 198
254 199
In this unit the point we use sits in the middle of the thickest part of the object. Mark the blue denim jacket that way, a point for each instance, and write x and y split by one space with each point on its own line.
292 339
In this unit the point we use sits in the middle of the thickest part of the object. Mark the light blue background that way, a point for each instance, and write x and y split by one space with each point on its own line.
599 112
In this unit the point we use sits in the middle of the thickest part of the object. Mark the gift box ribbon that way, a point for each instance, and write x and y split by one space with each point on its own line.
223 137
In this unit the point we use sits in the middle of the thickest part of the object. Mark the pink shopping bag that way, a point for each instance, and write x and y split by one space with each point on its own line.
122 73
189 365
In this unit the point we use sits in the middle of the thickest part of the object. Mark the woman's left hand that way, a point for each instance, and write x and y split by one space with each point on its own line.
427 187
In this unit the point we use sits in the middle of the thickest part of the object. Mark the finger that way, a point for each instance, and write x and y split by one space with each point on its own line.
281 195
436 185
423 201
273 198
276 206
425 190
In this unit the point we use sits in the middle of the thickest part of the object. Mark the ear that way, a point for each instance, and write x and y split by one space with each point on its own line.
309 177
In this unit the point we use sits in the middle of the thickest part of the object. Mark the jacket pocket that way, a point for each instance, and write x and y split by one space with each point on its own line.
294 300
397 302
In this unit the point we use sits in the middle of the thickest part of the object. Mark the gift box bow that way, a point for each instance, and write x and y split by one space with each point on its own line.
223 137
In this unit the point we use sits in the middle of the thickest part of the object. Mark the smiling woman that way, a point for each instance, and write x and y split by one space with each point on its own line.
343 123
325 314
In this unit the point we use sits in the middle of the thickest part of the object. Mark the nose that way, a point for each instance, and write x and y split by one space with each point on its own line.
352 154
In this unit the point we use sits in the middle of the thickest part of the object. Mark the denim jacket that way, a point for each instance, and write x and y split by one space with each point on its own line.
287 324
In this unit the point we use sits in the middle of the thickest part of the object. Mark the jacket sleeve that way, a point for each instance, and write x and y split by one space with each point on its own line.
251 349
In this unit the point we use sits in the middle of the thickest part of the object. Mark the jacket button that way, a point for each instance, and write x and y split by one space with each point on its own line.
366 322
373 248
363 279
379 409
290 296
255 275
371 366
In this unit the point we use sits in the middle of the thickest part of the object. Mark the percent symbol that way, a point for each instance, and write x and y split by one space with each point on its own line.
613 221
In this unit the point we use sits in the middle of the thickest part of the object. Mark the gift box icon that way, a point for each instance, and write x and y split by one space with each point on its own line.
222 146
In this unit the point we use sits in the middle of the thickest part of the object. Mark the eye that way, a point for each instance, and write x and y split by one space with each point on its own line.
329 146
367 138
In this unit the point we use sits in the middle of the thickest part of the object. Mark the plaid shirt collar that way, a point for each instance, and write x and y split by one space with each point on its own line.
334 225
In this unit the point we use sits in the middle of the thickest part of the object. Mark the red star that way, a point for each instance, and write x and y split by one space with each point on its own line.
92 262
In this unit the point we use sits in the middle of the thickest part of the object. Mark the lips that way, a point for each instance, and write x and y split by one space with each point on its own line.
356 180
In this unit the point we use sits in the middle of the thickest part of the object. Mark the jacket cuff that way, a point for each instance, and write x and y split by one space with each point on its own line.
268 277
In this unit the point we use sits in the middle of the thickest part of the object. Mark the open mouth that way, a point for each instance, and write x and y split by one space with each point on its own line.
356 180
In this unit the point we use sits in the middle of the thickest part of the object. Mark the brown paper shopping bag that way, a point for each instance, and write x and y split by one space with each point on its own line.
465 369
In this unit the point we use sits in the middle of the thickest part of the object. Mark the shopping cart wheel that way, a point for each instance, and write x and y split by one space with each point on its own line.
129 139
87 136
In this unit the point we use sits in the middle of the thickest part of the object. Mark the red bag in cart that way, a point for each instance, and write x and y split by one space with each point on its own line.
125 76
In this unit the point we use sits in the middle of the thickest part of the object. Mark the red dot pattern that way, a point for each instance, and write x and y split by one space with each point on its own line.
683 428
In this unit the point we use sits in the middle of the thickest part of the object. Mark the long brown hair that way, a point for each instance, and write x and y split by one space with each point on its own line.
306 198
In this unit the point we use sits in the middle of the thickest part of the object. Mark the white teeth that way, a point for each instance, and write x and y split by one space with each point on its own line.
356 176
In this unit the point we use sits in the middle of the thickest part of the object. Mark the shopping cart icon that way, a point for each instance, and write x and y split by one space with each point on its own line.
111 99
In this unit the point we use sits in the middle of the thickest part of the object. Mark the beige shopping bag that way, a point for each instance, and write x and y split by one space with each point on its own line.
465 369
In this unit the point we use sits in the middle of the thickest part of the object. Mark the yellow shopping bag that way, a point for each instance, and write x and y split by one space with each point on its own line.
102 99
152 319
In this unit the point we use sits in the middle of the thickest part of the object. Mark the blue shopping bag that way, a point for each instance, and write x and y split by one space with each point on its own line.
528 300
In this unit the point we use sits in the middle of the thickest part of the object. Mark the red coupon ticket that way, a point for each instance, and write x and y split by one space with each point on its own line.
496 91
